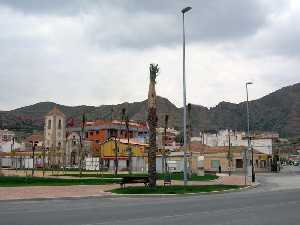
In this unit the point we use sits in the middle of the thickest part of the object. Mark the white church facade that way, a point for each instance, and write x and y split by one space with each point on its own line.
55 135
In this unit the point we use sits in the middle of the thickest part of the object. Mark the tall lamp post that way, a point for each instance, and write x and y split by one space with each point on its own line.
184 97
248 128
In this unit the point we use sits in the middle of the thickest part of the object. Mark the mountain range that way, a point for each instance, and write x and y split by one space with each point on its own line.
278 111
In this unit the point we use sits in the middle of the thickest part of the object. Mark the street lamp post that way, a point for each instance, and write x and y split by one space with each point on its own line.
249 140
184 97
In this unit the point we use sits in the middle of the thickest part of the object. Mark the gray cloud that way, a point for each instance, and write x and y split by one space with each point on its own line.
98 52
54 7
142 24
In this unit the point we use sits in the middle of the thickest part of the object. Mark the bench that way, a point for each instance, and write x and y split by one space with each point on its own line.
167 180
134 180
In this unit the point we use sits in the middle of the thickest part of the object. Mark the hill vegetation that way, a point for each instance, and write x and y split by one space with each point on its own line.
278 111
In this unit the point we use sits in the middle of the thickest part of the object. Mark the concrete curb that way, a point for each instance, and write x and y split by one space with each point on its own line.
114 195
108 194
197 193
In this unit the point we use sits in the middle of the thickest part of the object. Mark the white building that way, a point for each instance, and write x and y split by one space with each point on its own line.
7 141
170 139
73 149
8 146
6 135
262 142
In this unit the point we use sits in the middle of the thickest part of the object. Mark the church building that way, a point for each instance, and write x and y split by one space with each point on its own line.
55 135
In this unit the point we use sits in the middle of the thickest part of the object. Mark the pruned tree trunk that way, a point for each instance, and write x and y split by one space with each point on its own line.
152 123
129 150
100 161
81 154
164 163
116 156
1 174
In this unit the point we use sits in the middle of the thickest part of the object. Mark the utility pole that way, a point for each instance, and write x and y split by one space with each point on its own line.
249 138
184 96
189 137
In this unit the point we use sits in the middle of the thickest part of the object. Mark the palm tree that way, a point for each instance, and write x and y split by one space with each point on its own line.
152 123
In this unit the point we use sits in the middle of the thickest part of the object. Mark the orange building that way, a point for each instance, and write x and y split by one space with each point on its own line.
99 131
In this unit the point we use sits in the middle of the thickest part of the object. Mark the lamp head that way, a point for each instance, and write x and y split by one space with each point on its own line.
248 83
186 9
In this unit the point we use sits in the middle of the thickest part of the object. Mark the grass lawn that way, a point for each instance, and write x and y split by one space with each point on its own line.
179 176
15 181
174 176
176 189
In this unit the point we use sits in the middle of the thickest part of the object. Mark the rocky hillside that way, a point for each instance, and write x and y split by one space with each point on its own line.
278 111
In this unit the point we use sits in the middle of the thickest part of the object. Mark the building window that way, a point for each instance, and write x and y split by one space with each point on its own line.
97 141
59 124
91 133
97 131
239 163
49 124
215 164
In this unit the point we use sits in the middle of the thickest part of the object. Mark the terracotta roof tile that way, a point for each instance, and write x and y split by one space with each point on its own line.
35 137
205 149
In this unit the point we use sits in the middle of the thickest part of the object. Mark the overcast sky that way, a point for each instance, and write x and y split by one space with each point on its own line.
98 52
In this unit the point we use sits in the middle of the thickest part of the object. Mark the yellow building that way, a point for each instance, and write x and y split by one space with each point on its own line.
108 153
229 159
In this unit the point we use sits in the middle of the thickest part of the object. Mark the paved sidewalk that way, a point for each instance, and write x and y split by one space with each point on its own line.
13 193
35 192
232 180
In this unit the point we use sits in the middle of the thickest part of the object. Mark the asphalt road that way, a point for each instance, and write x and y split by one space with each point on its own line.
264 205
